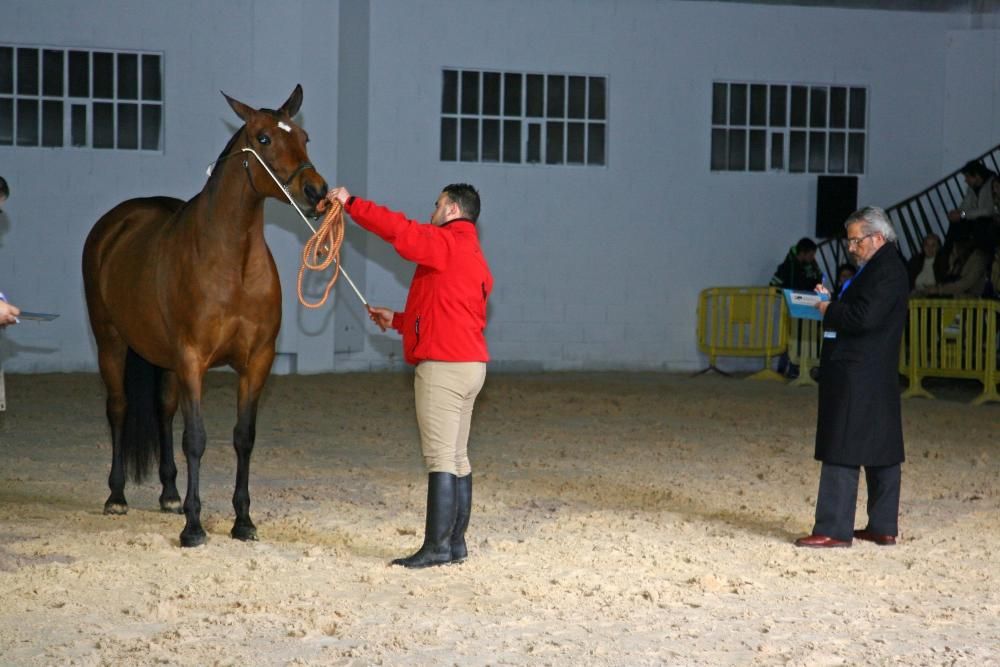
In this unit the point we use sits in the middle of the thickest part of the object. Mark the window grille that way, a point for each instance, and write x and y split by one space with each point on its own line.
58 97
816 129
519 118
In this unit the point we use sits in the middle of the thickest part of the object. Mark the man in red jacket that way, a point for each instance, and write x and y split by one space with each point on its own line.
443 327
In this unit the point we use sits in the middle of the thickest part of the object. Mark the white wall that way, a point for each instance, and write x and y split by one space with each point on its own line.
971 95
601 268
594 267
254 51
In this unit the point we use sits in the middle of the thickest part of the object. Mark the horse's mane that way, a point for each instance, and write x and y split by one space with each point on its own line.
229 145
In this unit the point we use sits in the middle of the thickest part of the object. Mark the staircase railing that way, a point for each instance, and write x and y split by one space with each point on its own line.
914 217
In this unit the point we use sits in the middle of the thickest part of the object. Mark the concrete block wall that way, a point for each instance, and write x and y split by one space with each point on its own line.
595 268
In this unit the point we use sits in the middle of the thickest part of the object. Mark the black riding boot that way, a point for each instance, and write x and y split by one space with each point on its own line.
463 504
436 549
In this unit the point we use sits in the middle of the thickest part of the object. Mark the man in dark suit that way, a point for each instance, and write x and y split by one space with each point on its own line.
859 422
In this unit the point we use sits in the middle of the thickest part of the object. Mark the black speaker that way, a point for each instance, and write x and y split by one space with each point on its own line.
836 198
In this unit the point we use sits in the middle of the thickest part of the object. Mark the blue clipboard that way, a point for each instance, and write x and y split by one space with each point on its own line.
802 305
38 317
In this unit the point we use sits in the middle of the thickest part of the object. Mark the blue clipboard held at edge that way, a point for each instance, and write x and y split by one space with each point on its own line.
39 317
802 305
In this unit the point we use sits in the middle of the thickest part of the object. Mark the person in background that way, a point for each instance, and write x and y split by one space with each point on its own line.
968 269
926 268
859 421
974 215
845 272
799 270
8 311
443 328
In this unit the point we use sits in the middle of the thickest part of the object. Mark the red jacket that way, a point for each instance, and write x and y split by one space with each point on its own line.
445 315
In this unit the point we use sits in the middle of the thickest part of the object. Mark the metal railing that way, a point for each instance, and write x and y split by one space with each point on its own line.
914 217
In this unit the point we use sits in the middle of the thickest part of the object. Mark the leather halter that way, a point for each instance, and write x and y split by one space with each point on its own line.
246 164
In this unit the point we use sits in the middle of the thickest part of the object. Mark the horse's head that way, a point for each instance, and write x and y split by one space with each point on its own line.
282 145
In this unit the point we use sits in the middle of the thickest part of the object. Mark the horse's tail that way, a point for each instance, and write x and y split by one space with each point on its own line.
141 431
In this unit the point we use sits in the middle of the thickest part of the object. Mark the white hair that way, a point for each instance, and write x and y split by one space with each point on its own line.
873 221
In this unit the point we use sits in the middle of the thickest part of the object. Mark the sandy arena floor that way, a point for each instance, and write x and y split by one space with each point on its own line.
618 519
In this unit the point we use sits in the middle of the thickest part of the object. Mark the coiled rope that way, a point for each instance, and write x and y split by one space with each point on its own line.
323 249
335 218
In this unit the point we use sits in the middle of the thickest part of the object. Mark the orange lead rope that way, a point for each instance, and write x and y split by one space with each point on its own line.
323 249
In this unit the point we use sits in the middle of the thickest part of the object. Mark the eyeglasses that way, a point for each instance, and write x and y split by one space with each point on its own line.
853 243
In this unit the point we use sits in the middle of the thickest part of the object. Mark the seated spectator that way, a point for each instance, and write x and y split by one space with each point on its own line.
994 284
966 277
845 272
926 268
993 236
974 214
799 271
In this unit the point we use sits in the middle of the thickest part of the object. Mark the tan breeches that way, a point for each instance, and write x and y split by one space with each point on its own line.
445 394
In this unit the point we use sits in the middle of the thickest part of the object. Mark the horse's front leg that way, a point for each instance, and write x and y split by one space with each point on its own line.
193 444
111 359
170 499
251 384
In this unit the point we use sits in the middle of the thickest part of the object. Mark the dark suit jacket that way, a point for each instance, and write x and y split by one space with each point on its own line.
859 420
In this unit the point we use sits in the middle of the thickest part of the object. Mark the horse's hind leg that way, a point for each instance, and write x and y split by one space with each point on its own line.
170 499
111 360
251 384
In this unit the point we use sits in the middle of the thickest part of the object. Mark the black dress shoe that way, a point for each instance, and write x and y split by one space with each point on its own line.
881 540
821 542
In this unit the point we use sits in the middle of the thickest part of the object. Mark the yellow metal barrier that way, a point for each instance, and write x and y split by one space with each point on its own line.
954 339
805 340
742 322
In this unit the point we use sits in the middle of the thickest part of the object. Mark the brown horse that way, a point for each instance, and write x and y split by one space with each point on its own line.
175 288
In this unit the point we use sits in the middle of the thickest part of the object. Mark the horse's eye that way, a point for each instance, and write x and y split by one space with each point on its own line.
263 139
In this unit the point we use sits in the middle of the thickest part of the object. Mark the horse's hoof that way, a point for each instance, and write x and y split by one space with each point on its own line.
193 539
115 508
172 506
244 533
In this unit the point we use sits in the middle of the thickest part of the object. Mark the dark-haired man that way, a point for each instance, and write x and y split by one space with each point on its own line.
443 327
799 271
974 215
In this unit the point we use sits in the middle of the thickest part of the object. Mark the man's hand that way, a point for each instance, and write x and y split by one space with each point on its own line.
822 306
339 193
381 316
954 215
8 314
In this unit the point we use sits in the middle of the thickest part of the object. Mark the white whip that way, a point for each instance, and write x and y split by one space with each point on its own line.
291 201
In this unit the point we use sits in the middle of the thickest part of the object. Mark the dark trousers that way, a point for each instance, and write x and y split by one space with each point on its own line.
838 496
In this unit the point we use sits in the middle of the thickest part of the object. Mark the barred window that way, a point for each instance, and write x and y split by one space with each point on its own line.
517 118
55 97
817 129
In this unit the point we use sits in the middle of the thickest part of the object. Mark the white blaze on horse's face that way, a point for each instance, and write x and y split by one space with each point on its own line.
284 126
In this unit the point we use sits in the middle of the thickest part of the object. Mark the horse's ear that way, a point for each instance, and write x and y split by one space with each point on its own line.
242 110
294 101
